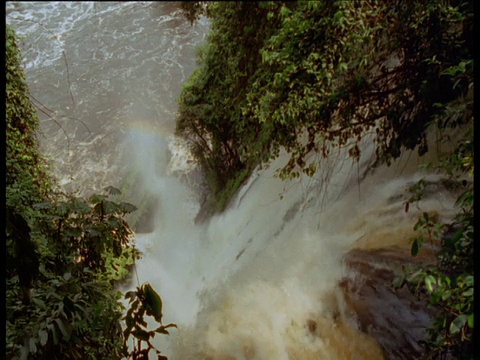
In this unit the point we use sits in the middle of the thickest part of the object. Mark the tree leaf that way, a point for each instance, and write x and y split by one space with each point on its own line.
163 329
127 207
446 295
469 280
52 328
153 302
470 320
458 323
113 190
130 295
40 303
429 282
44 205
95 199
141 334
24 353
32 345
68 304
62 328
43 335
110 207
398 281
468 292
414 249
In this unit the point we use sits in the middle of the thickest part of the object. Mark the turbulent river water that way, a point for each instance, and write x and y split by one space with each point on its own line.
292 270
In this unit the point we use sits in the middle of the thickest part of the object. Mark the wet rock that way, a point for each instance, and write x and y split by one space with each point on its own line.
395 318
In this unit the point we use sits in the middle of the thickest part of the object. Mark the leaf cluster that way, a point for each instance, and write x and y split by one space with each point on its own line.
26 171
211 103
83 249
144 301
313 76
337 70
448 287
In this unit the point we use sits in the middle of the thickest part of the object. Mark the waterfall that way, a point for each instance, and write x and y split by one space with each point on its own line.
263 279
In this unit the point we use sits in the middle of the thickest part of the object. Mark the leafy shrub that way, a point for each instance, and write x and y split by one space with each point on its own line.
448 287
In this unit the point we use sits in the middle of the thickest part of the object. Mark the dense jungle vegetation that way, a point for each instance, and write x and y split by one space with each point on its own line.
314 76
64 254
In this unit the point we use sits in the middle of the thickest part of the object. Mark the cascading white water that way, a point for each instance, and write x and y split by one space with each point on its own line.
259 281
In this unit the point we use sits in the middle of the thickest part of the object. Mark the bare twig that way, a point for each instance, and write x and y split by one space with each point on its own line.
39 103
68 79
56 122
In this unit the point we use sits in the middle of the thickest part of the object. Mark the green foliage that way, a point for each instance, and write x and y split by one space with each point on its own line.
84 232
448 286
75 311
211 102
143 301
336 70
24 259
192 10
311 76
26 175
